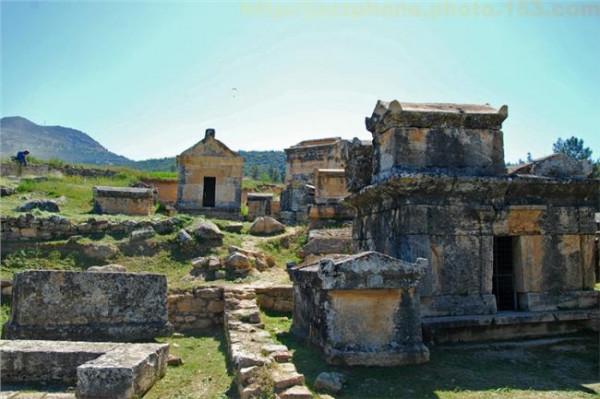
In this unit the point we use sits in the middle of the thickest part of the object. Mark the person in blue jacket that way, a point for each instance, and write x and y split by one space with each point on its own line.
21 157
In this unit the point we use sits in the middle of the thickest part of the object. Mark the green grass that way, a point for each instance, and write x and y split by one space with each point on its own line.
286 249
204 373
461 372
73 192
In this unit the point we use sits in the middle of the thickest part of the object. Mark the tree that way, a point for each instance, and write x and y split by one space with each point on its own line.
573 147
254 172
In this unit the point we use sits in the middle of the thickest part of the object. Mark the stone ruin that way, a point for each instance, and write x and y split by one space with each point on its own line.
124 200
496 243
88 306
361 309
303 162
51 309
210 178
259 204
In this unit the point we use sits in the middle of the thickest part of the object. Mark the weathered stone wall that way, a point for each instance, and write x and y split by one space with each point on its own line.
210 158
27 227
201 309
124 200
304 158
88 306
359 166
330 185
278 298
453 220
196 310
455 138
259 204
166 189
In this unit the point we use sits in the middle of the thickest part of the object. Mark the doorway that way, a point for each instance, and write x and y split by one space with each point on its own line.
208 196
503 278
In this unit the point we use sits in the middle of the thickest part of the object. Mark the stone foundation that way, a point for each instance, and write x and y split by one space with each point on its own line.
506 326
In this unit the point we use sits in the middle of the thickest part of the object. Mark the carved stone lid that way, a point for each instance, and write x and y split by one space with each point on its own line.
406 114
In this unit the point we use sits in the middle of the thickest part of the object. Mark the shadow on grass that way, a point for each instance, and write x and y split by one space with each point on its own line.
456 372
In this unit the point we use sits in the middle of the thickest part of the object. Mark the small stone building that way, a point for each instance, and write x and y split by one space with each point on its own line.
361 309
124 200
497 243
259 204
303 161
210 178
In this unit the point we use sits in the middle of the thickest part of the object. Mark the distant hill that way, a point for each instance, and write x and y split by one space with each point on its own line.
53 142
74 146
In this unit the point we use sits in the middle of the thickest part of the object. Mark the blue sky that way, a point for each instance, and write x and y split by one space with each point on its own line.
146 78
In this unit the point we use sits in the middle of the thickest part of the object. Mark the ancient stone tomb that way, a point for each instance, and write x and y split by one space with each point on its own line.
210 178
259 204
124 200
496 242
361 309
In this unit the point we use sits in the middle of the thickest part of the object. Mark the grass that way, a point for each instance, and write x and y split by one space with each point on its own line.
204 373
73 192
456 372
286 249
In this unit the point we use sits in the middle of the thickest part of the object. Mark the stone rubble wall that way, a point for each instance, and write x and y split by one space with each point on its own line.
201 309
28 227
261 365
278 298
196 310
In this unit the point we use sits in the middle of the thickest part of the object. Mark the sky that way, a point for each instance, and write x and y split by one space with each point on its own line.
145 79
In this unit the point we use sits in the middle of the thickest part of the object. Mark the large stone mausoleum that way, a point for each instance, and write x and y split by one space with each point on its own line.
210 178
509 255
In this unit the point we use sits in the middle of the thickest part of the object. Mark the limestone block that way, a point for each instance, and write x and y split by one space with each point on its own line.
88 306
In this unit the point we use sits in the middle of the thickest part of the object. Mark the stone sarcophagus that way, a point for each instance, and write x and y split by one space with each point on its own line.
124 200
88 306
361 309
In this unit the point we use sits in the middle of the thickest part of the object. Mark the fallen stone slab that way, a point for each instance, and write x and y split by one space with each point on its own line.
88 306
99 369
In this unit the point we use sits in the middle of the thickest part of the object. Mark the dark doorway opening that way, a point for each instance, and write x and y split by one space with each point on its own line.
503 278
208 197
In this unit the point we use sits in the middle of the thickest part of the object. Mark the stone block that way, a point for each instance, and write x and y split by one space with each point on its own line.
88 306
100 370
124 200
